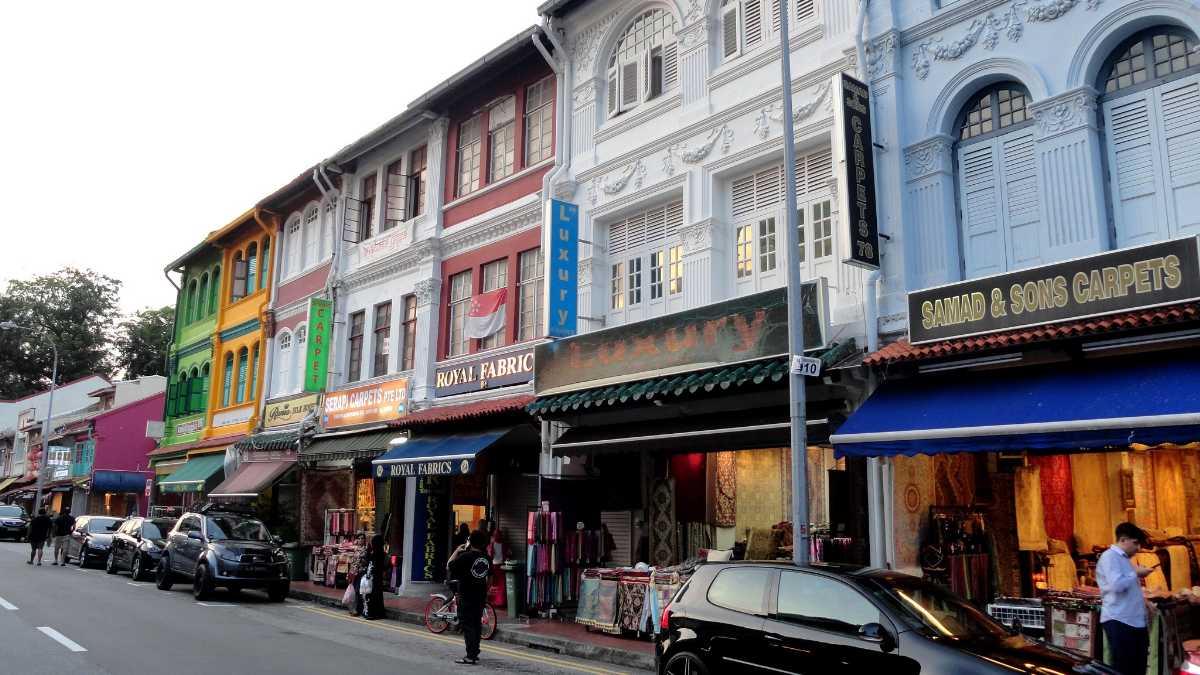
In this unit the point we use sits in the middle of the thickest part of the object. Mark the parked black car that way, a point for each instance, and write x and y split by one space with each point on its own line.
91 539
750 617
214 547
14 522
138 545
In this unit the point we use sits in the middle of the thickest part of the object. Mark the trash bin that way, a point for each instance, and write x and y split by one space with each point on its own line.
514 582
297 561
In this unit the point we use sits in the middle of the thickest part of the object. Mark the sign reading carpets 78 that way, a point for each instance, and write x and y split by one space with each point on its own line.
316 351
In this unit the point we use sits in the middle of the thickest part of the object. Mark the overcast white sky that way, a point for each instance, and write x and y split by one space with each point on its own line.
130 129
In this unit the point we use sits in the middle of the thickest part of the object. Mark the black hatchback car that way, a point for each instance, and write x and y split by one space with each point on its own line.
214 547
14 522
749 617
137 546
91 538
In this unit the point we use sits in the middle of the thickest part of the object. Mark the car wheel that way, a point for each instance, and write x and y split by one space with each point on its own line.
162 575
135 569
202 585
83 556
110 563
685 663
278 592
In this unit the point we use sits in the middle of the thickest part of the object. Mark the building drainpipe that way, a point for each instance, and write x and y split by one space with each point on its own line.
264 349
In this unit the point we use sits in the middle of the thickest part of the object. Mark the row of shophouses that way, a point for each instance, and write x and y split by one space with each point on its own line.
367 350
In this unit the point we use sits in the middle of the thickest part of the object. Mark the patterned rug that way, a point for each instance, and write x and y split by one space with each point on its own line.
662 523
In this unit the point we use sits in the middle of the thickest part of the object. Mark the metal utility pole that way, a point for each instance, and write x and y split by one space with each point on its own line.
46 430
796 393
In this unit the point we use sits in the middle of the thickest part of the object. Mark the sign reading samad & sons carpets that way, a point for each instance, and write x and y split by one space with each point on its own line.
484 373
1118 281
743 329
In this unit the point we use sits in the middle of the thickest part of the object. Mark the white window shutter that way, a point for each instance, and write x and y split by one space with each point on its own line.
1179 112
614 102
729 32
1133 157
775 17
982 236
751 22
805 10
1022 202
630 89
742 196
670 66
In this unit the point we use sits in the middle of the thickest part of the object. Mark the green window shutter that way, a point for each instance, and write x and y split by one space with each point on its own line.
171 399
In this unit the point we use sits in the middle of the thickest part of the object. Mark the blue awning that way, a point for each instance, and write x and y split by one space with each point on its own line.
1117 402
436 455
118 481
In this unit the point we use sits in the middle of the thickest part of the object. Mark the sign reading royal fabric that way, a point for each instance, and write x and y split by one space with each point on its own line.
380 402
439 467
562 263
1118 281
743 329
861 223
316 350
487 372
290 411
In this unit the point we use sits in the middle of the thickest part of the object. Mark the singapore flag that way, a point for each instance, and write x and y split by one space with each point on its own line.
486 315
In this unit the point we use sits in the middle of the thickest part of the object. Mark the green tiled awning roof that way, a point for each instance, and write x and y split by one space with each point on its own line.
723 377
366 445
270 440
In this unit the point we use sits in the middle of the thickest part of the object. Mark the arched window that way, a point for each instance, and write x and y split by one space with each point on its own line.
312 236
254 373
227 383
299 353
644 63
214 290
293 244
181 398
201 310
263 279
998 188
205 377
1151 115
242 368
237 289
251 267
283 373
189 314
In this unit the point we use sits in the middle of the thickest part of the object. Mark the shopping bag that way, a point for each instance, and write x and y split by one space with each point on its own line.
350 598
365 585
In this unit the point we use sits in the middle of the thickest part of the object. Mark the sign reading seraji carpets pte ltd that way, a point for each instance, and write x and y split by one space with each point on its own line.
860 224
562 267
1118 281
742 329
380 402
316 351
291 411
487 372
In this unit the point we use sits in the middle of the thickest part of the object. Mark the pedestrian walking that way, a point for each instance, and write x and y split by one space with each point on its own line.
471 568
39 529
1122 604
63 524
370 587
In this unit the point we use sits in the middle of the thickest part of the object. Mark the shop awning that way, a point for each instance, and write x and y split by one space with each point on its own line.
1096 404
118 481
437 454
252 477
8 481
364 445
193 475
271 440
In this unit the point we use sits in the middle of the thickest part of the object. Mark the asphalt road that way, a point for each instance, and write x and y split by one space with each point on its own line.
57 620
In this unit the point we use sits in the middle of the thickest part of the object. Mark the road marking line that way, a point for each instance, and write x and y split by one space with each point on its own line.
216 604
7 605
487 649
62 639
134 583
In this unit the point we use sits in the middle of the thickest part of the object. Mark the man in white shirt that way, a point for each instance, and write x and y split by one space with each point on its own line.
1123 606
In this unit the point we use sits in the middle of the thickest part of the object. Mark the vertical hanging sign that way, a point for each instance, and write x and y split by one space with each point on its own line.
860 223
561 245
316 352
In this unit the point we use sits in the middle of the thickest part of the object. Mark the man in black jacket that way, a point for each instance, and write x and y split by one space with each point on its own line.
472 569
63 524
39 529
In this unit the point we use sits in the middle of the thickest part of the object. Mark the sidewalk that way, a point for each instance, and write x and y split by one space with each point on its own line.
569 639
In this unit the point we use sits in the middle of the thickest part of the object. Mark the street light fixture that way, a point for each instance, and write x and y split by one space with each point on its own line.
41 471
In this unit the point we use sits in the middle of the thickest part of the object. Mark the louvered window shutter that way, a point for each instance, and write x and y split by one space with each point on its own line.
1022 204
729 32
983 243
818 171
1133 164
674 218
805 10
670 66
630 91
743 196
775 17
614 102
171 396
751 22
1179 106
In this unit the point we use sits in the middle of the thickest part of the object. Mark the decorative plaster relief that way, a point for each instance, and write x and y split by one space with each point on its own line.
423 289
694 12
928 157
694 34
774 112
564 189
585 272
697 237
987 29
583 51
881 56
585 93
1063 113
611 186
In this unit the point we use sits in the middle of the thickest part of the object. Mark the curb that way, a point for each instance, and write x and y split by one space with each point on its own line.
513 634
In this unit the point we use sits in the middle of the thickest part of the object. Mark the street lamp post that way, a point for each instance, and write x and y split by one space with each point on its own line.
41 470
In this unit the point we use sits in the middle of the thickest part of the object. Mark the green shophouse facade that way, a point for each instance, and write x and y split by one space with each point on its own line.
190 354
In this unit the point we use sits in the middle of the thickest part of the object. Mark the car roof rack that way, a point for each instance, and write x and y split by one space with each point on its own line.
218 507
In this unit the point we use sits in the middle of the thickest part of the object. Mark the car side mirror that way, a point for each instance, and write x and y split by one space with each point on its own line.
875 632
192 534
277 540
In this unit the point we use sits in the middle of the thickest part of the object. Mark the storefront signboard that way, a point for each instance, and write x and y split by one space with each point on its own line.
562 267
1133 278
316 350
189 426
860 225
440 467
742 329
235 416
431 522
379 402
486 372
291 411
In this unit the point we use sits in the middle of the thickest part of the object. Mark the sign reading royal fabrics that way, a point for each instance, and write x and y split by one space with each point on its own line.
1117 281
316 350
486 372
379 402
437 467
290 411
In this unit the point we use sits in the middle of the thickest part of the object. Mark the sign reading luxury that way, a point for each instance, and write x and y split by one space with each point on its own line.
380 402
316 352
742 329
1129 279
562 291
861 225
484 373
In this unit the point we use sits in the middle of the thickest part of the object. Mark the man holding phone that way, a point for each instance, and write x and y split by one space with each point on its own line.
1123 606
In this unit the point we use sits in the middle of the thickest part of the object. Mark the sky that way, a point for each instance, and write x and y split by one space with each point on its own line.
129 129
